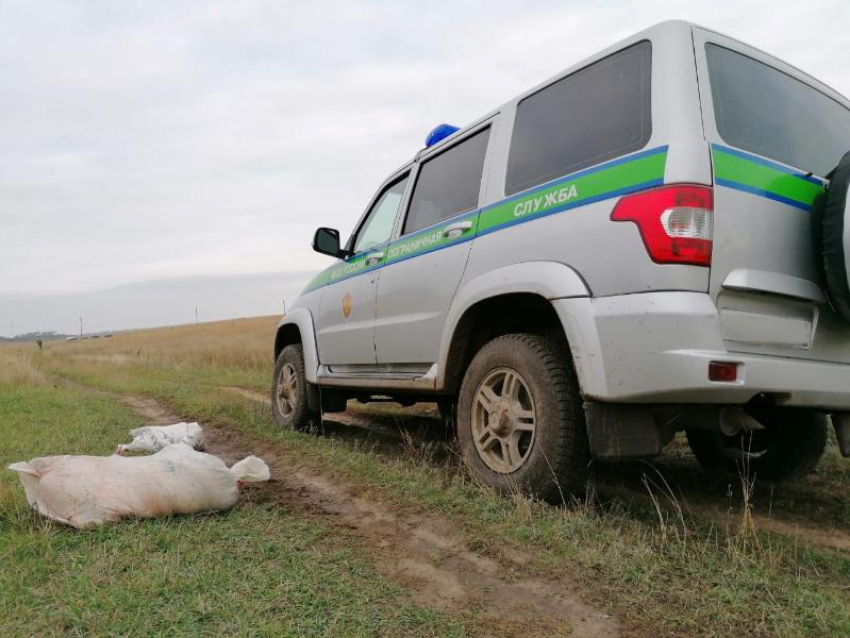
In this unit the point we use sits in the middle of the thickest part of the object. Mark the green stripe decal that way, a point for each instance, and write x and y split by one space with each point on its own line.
340 271
424 241
431 239
619 177
764 178
583 188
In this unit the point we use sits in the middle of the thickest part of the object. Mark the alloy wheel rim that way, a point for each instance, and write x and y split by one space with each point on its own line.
504 420
287 390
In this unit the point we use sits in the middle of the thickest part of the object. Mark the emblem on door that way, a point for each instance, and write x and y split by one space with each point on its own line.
346 305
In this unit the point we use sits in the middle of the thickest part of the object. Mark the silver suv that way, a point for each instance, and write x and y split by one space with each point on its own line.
646 243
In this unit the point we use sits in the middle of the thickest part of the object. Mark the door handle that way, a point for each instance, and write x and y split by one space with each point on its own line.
457 229
374 258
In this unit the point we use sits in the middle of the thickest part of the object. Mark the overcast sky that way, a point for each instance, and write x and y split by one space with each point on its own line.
154 140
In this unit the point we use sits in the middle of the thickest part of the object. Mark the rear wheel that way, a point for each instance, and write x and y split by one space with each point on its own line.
520 419
789 447
290 405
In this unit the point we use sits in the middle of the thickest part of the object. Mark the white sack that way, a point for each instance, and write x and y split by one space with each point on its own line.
251 470
153 438
86 491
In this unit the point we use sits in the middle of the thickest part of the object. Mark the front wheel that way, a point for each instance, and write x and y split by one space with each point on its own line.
789 447
290 405
520 419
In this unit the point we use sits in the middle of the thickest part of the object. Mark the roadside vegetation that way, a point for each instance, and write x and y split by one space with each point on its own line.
256 570
659 546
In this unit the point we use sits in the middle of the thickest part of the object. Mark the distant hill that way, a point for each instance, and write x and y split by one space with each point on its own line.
147 304
35 336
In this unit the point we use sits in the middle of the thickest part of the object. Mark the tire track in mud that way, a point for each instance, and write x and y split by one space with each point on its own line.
820 536
707 504
423 553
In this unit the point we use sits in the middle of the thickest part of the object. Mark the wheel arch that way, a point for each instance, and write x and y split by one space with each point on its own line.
514 298
297 327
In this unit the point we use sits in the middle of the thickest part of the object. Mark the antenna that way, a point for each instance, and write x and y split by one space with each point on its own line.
81 327
196 315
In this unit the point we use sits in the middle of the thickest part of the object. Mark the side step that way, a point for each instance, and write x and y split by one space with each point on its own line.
378 379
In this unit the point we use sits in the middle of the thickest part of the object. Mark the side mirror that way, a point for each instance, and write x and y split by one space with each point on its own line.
326 241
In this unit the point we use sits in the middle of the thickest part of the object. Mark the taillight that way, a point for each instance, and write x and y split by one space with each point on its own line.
675 222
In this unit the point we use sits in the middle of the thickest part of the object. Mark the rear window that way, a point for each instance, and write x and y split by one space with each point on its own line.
448 184
763 110
593 115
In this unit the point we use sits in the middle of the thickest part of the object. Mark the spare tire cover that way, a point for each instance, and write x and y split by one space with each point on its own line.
834 235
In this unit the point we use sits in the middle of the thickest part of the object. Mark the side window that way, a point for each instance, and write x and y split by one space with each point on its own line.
593 115
378 226
762 110
448 184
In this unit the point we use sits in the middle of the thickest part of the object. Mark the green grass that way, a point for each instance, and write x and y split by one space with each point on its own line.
255 570
685 577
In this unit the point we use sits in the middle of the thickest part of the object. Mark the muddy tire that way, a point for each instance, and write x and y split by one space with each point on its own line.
290 404
787 449
520 419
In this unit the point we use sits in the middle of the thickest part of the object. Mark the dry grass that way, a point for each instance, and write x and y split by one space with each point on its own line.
244 345
17 367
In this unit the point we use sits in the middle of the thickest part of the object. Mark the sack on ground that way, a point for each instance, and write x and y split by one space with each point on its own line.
251 470
153 438
87 491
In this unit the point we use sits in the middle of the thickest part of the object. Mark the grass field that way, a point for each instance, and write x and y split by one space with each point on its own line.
255 570
662 550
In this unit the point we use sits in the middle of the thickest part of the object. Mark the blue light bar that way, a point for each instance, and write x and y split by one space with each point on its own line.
440 132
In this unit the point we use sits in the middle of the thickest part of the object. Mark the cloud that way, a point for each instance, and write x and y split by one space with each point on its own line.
142 140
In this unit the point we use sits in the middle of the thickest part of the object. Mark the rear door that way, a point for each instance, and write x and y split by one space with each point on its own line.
424 265
774 134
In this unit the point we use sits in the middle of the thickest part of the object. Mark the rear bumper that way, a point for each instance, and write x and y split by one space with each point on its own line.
655 348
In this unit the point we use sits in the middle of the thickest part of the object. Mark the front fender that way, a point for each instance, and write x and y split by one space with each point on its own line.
302 319
548 279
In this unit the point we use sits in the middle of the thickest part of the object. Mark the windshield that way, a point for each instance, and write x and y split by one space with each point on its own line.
763 110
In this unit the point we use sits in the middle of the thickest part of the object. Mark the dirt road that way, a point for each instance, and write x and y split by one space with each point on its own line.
425 554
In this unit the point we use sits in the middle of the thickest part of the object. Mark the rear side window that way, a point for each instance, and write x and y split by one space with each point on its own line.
763 110
448 184
593 115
